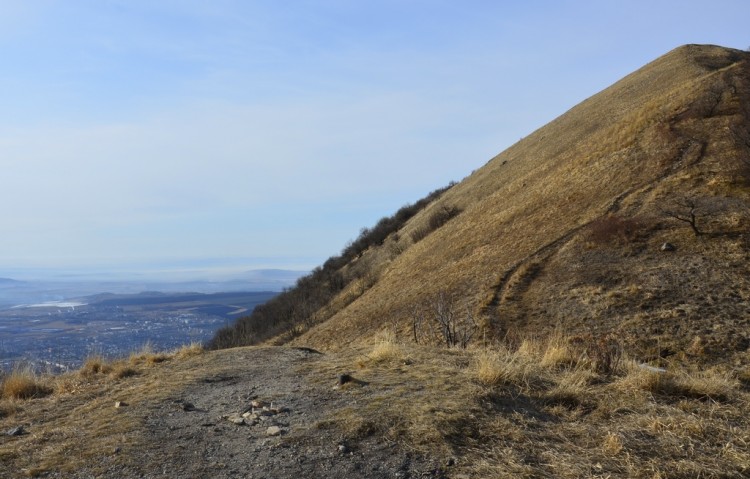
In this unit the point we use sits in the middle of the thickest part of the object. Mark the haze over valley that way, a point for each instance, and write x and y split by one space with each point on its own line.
56 324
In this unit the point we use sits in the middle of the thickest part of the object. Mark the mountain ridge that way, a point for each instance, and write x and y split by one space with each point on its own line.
626 151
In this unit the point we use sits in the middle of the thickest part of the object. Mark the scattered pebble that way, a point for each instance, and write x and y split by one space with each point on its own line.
667 247
16 431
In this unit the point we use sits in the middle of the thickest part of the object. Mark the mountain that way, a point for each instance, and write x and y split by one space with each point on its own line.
564 229
601 262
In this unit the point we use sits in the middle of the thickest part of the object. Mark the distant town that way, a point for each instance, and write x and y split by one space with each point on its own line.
58 336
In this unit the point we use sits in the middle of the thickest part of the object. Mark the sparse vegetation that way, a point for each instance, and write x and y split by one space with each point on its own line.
609 364
298 308
387 348
436 220
493 406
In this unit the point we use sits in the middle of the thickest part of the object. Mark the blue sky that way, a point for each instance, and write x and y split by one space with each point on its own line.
143 134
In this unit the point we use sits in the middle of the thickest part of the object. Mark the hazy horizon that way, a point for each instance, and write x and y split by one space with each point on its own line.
185 271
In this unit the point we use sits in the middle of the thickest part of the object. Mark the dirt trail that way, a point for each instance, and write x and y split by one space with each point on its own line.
182 430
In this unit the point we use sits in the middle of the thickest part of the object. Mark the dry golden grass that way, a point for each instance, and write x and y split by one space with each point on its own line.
520 248
703 385
148 356
23 383
95 365
189 350
504 414
494 367
387 349
79 422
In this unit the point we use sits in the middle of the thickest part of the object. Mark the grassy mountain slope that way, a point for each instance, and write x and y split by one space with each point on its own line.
563 229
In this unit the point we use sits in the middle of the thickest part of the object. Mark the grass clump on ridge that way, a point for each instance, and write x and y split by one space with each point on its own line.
23 383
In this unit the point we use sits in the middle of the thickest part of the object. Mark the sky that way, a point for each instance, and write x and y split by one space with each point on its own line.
167 135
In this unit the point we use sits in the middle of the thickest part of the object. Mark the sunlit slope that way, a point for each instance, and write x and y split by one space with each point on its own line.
520 255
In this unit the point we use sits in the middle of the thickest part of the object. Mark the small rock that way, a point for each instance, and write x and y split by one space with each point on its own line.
117 450
250 416
236 419
652 369
16 431
273 431
343 449
667 247
257 403
120 404
188 406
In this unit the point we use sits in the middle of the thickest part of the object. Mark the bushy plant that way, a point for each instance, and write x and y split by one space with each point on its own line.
614 229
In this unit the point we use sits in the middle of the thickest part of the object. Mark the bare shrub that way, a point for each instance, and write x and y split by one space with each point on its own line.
614 229
441 319
605 353
687 210
435 221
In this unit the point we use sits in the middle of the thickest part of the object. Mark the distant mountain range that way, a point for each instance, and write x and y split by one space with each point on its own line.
14 292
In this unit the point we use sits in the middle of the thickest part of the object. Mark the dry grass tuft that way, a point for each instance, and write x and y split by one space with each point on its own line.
387 349
494 367
121 370
23 383
148 356
612 444
95 365
189 350
703 385
558 352
7 409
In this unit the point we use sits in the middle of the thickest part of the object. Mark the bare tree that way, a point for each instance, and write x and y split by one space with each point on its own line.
687 211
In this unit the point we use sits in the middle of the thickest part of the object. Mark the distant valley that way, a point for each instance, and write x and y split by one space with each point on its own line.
59 335
55 324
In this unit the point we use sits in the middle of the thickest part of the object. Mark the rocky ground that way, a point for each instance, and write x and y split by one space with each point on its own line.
254 413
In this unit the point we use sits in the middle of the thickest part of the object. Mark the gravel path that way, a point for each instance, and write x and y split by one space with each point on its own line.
190 435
